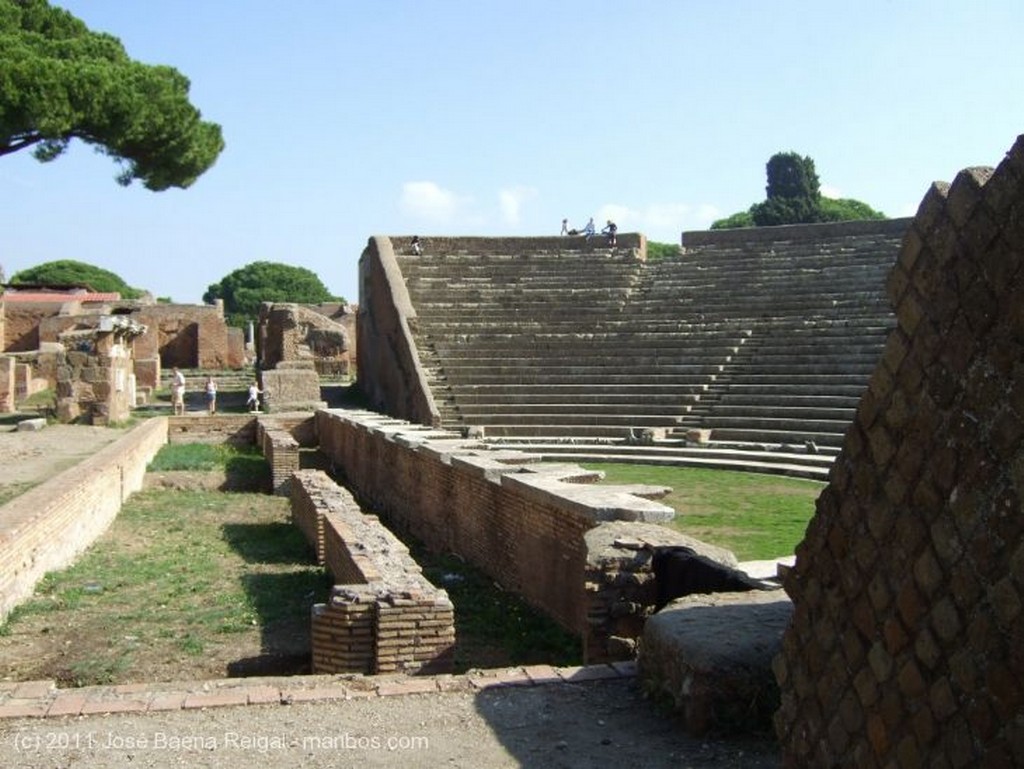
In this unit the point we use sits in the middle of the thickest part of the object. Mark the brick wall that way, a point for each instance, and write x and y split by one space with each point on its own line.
383 616
281 451
908 589
521 521
233 429
48 526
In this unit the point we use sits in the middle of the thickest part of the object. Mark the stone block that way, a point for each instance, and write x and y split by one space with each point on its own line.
712 655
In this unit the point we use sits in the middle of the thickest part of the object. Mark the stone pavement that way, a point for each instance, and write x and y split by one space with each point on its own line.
515 718
42 699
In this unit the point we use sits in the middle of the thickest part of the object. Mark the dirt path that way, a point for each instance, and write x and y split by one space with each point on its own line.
33 456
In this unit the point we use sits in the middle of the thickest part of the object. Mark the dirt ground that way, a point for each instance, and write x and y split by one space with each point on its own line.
33 456
600 723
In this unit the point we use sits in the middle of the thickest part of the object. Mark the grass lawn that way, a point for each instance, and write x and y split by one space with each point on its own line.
756 516
190 584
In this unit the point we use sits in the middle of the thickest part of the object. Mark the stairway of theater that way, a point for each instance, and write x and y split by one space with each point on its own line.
543 344
754 342
818 318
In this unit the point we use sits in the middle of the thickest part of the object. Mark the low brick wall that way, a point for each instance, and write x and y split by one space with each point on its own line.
233 429
48 526
384 616
521 521
281 451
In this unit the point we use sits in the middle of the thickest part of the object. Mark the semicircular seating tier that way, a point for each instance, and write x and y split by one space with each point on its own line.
749 338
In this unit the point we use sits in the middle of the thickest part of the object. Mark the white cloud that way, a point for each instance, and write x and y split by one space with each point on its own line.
432 203
511 200
828 191
660 221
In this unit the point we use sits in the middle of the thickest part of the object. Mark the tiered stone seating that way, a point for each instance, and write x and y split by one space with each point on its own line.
758 336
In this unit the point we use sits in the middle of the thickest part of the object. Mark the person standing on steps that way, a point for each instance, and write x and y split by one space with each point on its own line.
254 397
211 395
565 227
588 230
178 391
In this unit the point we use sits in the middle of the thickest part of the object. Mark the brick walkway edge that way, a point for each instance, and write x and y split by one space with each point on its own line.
42 699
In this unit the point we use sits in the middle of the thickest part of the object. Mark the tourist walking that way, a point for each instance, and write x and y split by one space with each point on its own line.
178 391
254 397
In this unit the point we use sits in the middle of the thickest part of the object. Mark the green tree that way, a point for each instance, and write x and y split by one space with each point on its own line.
657 250
847 209
247 287
737 220
64 272
59 81
794 193
794 197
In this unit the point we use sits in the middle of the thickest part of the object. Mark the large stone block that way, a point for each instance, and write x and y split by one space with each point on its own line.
711 655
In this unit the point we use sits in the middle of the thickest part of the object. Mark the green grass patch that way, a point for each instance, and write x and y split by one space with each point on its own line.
756 516
494 627
182 580
244 466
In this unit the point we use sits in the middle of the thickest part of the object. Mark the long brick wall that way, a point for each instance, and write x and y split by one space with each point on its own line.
905 648
383 616
523 522
48 526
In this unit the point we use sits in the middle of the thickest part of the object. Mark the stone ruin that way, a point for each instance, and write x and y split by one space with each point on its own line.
296 346
908 591
95 376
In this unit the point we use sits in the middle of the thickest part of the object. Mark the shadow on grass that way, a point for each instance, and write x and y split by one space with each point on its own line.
268 543
247 472
282 602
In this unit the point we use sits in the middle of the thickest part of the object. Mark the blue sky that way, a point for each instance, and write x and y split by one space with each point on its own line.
345 119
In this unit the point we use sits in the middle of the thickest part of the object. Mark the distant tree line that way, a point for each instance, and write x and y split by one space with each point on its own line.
242 290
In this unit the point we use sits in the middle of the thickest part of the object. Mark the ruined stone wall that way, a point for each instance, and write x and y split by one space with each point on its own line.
295 332
7 385
293 386
48 526
383 616
521 521
388 369
95 380
188 336
21 323
908 590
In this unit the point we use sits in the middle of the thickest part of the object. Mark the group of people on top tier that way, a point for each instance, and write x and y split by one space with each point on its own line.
609 230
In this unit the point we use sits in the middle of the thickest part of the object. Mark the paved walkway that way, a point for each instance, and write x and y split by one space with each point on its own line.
42 699
536 716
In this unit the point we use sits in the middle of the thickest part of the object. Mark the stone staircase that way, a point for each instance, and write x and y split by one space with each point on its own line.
762 340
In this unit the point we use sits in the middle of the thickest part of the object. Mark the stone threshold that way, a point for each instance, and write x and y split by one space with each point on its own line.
42 699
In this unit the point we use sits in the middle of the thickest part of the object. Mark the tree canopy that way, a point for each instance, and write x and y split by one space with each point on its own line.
64 272
60 81
247 287
794 197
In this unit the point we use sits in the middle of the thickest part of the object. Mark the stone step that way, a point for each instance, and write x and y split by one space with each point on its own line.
778 436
